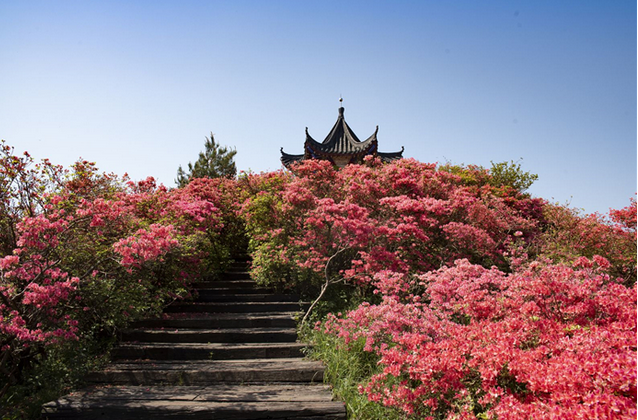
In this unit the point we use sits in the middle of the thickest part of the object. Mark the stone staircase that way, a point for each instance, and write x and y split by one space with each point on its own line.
230 354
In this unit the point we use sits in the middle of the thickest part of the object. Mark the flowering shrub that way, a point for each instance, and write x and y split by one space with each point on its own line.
551 341
479 301
145 245
406 217
468 298
84 253
23 191
569 236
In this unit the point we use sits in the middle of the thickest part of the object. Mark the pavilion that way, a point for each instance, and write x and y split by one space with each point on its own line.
340 147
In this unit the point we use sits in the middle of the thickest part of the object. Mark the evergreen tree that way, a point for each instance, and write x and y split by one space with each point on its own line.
214 162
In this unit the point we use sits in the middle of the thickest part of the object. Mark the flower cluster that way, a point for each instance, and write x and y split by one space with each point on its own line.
549 342
404 216
145 245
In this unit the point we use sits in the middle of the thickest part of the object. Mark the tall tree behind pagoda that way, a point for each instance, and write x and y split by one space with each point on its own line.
214 162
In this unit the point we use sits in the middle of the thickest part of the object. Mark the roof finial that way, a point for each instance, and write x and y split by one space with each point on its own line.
341 106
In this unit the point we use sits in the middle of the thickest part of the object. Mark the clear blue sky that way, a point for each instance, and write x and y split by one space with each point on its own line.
136 85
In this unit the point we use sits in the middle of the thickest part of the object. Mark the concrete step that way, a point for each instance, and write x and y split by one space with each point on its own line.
207 351
157 372
282 401
221 320
210 295
226 335
241 307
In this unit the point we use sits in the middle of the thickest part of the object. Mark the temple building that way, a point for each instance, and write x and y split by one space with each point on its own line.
340 147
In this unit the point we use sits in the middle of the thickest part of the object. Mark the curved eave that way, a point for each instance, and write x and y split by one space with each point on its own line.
288 159
390 156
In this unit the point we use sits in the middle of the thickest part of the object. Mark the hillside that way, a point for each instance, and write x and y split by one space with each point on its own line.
451 293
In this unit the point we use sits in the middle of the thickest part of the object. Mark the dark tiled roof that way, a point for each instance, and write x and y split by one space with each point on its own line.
341 141
288 159
390 156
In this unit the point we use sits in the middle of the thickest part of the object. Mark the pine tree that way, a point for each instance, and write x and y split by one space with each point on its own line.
214 162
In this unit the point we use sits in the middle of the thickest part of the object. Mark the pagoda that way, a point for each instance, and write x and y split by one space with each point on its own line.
340 147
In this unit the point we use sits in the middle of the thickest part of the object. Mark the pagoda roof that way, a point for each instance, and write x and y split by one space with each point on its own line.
341 146
341 140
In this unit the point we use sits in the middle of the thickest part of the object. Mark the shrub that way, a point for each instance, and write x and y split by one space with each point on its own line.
550 341
86 253
479 301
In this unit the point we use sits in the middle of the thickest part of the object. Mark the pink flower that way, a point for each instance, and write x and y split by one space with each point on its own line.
8 261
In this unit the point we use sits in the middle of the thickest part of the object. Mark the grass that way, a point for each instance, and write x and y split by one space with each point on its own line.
345 369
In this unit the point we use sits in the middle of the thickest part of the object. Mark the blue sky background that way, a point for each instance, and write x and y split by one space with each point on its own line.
136 85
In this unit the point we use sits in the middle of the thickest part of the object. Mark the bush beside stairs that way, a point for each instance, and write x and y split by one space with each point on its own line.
230 354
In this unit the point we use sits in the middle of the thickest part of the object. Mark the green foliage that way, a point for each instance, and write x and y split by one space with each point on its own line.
501 174
214 162
347 367
510 174
470 175
270 269
54 373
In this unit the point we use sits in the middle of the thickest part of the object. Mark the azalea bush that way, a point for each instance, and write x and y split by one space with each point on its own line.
550 341
439 292
461 296
406 217
84 253
569 236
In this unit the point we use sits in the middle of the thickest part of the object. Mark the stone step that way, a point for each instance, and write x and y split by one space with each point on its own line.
207 372
234 291
219 392
230 355
221 320
235 275
241 307
208 295
207 351
236 271
234 284
282 401
226 335
241 267
195 410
